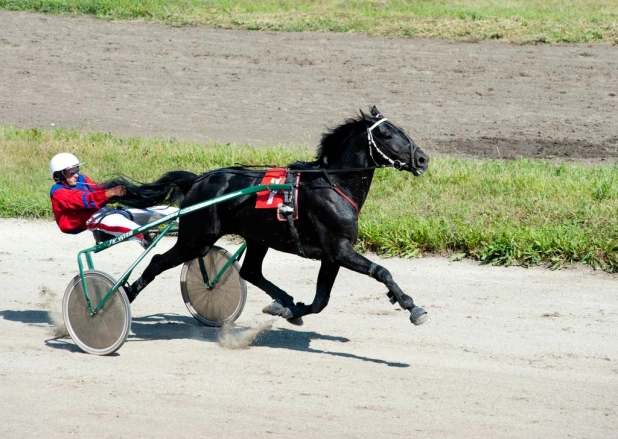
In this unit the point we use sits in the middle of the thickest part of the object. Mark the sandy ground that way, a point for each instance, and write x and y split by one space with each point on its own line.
509 352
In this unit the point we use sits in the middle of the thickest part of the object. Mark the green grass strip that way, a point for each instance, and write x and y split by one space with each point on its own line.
519 21
521 212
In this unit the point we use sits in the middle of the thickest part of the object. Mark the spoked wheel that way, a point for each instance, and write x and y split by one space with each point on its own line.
224 301
107 330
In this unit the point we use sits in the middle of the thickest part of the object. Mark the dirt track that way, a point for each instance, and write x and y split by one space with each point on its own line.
488 99
509 352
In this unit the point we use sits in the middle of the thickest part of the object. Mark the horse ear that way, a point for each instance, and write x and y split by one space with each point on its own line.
366 117
375 112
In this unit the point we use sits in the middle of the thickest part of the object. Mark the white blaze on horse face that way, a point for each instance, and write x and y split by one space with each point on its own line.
273 193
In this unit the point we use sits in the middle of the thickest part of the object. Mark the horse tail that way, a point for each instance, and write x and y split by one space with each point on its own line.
170 189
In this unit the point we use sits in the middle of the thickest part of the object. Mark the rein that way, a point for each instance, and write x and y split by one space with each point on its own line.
396 164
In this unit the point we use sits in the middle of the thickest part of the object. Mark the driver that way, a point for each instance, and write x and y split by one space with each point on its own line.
80 204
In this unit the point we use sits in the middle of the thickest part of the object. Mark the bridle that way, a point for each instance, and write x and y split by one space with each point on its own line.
397 164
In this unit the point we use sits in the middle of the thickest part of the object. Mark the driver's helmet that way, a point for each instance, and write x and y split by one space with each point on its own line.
60 162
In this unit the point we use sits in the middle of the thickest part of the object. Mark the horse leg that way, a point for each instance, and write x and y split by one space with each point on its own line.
352 260
251 271
175 256
326 280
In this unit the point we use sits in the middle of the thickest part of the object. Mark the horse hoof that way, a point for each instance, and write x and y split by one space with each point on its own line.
278 310
274 309
286 313
418 315
298 321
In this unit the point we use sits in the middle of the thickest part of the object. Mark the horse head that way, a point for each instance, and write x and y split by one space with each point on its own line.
389 145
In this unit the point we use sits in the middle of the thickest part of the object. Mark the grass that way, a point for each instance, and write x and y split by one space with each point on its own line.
520 212
519 21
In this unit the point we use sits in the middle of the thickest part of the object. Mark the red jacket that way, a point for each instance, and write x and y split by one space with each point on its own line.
74 205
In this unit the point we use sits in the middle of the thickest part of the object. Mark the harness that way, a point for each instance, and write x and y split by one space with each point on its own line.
289 209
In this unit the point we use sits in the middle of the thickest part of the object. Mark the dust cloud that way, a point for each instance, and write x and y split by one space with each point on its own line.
232 337
50 304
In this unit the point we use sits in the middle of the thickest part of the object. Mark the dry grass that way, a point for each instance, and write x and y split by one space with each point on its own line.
517 21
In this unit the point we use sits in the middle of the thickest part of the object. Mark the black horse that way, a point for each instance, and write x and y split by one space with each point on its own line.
331 192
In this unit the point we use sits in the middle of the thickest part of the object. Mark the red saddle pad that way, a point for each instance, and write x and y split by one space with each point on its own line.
271 199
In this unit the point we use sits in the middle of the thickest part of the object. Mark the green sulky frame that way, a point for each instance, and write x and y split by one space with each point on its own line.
87 253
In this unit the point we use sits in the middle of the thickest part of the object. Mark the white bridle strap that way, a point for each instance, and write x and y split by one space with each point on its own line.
373 143
377 123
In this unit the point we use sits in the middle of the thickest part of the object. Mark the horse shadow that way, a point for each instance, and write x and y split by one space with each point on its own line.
167 326
283 338
153 327
30 317
174 326
41 318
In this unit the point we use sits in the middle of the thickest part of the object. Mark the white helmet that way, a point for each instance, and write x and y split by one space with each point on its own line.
60 162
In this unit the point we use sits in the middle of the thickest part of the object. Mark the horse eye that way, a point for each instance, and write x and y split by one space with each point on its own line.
385 133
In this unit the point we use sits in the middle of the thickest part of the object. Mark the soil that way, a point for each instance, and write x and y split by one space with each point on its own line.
510 352
485 99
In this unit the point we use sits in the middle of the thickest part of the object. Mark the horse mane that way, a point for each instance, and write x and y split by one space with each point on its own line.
331 143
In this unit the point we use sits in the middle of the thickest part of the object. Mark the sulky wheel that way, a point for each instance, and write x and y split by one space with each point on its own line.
107 330
217 304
